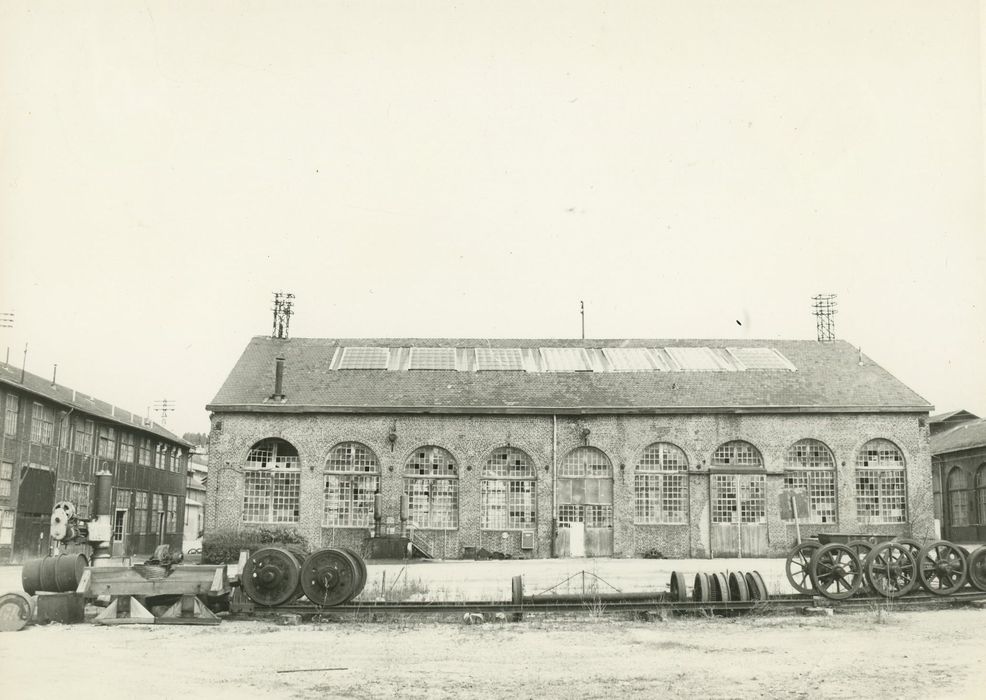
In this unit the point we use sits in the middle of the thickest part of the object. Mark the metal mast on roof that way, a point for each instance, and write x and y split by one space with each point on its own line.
824 309
582 311
282 314
163 406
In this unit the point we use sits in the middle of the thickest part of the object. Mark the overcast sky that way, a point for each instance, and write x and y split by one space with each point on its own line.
475 169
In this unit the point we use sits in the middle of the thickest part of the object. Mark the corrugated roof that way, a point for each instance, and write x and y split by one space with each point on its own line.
828 377
964 436
10 376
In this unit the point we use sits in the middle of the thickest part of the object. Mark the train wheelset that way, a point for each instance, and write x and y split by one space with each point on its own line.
275 576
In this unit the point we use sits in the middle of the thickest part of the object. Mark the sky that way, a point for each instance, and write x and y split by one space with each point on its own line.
474 169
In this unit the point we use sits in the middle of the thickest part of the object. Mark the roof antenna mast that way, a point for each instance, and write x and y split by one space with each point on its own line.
283 303
824 309
582 312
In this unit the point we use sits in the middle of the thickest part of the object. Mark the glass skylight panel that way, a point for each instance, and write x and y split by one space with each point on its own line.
364 358
499 359
761 358
565 360
632 359
695 358
432 358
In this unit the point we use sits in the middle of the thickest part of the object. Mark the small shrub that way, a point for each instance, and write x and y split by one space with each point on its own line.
653 554
223 546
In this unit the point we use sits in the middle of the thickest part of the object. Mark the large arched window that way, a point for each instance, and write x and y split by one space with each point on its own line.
351 478
981 493
810 468
881 489
737 453
431 484
507 491
272 487
585 488
660 491
738 497
958 497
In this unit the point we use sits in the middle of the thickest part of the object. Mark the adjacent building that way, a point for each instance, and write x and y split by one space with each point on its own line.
55 439
958 449
538 448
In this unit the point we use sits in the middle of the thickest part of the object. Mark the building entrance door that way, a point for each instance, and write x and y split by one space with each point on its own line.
36 498
739 515
585 505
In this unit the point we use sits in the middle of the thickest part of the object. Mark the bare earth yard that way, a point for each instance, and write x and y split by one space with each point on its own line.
928 654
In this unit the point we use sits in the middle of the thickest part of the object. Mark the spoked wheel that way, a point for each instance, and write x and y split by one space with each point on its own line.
679 591
738 589
942 567
720 588
891 569
758 589
913 546
330 577
835 571
270 576
796 567
702 590
862 548
977 568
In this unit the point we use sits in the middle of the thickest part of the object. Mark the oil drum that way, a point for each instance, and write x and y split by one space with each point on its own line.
57 574
16 610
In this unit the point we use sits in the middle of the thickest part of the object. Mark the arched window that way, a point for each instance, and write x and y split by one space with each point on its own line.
272 486
881 489
351 478
585 488
958 497
431 484
737 453
507 491
810 468
659 485
981 493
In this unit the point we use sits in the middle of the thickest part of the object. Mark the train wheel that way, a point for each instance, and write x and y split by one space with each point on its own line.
796 567
891 569
330 577
720 588
758 589
835 571
702 590
977 569
270 576
362 568
738 590
679 590
942 567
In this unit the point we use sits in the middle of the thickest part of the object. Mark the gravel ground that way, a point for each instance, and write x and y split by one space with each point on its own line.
878 653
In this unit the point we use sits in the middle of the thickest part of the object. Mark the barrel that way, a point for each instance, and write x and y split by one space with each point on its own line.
57 574
16 610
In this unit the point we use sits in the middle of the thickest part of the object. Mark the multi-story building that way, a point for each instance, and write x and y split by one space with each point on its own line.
567 447
198 473
55 439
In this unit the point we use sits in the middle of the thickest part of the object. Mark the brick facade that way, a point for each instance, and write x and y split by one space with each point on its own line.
546 439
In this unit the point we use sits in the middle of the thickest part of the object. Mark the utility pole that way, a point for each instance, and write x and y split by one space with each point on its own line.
582 312
824 309
163 406
283 304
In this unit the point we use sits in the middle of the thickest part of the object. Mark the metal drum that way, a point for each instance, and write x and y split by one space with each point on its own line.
16 610
57 574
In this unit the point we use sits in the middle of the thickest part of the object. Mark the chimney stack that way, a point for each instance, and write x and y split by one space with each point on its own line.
278 394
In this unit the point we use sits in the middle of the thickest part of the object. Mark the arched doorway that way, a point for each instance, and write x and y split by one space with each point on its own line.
585 504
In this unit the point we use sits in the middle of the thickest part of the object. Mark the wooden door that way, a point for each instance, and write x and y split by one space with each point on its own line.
739 515
585 517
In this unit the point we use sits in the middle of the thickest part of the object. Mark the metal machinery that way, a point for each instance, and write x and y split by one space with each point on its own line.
276 576
838 566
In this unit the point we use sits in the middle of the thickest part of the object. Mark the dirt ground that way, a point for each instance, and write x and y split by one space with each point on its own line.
879 653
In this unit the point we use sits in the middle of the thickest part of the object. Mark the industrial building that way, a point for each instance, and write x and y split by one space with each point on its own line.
539 448
958 462
55 439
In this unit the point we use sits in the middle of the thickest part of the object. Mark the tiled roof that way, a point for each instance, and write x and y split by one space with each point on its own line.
958 415
827 377
964 436
10 376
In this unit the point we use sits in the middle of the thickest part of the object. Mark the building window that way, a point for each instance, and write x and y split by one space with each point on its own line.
106 447
159 456
171 505
122 503
660 491
10 415
739 498
82 440
127 448
508 491
351 479
272 490
77 493
981 493
958 497
140 512
880 483
737 453
42 424
6 526
431 484
585 488
65 431
6 478
810 468
144 453
157 507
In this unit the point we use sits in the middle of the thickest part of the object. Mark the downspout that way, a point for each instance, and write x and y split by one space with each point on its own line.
554 481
